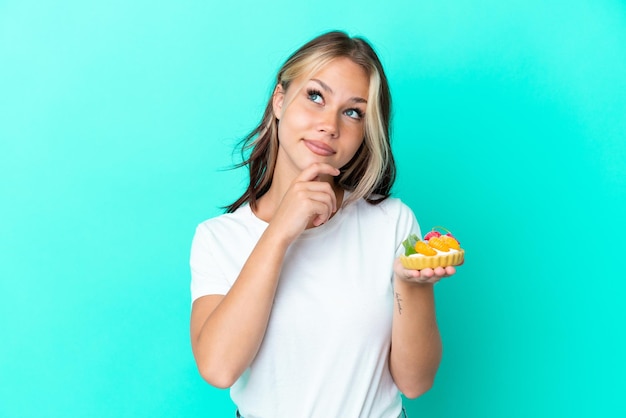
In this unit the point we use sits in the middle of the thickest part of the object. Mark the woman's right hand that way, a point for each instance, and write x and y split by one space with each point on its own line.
309 202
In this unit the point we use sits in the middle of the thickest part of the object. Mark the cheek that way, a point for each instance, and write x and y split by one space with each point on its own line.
293 121
301 118
356 135
357 145
352 145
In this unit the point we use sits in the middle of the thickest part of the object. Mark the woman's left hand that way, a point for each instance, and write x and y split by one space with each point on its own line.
425 276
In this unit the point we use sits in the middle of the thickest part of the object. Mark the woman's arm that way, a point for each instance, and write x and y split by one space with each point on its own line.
416 346
227 331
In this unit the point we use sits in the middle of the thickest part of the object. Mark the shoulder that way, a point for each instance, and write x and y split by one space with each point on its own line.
226 235
391 207
241 215
228 223
396 204
391 219
391 212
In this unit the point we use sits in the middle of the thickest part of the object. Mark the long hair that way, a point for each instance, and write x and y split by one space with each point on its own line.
370 174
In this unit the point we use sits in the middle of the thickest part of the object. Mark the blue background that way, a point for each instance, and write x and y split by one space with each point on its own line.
118 120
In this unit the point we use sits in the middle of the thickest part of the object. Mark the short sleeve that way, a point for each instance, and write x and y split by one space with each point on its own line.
407 224
206 276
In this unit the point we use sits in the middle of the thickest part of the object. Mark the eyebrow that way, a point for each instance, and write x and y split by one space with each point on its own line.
328 89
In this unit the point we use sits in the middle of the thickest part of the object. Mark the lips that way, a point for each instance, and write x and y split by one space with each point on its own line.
319 148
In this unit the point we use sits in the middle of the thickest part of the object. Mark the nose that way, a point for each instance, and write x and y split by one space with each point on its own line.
329 124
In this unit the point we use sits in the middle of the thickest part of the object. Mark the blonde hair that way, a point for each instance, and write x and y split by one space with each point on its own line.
371 172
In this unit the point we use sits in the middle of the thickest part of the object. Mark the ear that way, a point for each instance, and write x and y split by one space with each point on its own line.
278 98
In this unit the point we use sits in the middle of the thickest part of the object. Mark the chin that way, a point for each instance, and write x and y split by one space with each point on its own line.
317 159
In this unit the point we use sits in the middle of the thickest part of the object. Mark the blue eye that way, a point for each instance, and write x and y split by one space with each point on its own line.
354 113
315 96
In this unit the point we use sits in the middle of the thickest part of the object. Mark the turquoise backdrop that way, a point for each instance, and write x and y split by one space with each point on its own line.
118 119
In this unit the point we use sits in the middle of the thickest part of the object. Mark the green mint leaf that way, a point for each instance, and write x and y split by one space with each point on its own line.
409 244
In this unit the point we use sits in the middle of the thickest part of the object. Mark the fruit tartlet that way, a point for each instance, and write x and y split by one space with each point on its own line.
436 250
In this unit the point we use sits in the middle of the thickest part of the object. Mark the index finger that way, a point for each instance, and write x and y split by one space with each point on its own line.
314 170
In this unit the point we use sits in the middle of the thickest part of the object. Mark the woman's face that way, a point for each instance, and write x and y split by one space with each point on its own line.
321 119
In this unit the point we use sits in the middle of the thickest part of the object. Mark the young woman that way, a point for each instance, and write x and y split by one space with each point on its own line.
300 303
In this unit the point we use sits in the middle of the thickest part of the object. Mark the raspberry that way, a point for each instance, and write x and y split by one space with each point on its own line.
423 248
450 241
432 234
437 243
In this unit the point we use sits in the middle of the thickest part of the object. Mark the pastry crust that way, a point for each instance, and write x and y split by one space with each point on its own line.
440 260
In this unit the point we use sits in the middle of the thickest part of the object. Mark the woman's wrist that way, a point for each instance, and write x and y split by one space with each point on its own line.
276 239
411 284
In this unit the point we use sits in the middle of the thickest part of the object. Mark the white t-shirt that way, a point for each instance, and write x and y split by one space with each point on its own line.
326 349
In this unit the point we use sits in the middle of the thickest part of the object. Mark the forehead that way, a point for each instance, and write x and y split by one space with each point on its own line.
343 76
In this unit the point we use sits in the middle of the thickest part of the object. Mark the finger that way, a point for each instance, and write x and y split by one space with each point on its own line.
320 208
323 197
315 170
316 186
413 275
320 187
427 272
428 280
320 219
440 271
324 193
